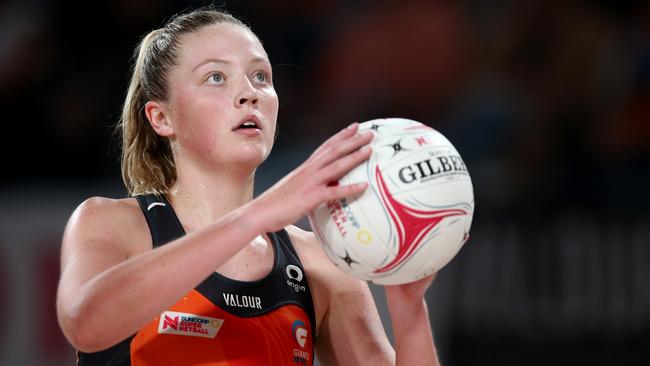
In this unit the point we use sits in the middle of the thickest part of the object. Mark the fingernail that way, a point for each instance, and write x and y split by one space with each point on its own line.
365 149
353 124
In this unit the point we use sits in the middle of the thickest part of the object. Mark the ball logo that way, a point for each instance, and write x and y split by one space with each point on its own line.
363 236
294 272
299 331
428 169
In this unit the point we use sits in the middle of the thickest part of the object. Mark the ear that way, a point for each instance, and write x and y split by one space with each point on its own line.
157 116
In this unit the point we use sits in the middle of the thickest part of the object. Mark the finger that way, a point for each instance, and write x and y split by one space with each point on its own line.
342 166
344 148
338 192
345 133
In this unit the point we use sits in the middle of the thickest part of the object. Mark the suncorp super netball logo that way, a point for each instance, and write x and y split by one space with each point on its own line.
188 324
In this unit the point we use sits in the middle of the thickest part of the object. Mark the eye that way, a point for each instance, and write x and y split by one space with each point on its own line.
216 78
260 77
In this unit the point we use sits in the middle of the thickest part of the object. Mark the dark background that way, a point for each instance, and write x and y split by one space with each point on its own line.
548 102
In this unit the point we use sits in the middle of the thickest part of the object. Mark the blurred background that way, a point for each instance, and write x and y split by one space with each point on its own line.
548 102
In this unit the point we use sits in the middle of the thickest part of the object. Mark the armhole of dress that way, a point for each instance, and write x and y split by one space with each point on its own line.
172 215
143 202
285 242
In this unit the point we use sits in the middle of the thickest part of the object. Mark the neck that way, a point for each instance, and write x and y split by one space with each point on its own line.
200 198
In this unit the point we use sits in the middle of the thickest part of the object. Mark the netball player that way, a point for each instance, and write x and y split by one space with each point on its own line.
191 270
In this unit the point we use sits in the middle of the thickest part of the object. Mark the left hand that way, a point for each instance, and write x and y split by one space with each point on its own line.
411 324
410 291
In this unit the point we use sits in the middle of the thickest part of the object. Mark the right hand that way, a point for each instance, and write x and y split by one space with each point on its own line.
315 180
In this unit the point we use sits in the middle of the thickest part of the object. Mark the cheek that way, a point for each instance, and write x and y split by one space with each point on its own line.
272 97
195 121
271 106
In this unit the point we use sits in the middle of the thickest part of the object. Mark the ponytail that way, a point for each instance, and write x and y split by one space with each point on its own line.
147 161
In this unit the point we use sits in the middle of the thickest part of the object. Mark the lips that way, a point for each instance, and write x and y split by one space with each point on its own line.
249 122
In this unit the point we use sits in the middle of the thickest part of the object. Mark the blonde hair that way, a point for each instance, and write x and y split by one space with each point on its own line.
147 159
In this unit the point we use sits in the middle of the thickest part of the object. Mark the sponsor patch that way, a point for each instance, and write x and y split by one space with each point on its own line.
294 272
187 324
300 332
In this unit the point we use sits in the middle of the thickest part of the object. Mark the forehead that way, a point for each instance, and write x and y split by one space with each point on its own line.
219 41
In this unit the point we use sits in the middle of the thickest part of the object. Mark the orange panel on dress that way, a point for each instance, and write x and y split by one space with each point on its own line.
280 337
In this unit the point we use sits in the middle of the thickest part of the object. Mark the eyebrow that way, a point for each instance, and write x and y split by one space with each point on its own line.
226 62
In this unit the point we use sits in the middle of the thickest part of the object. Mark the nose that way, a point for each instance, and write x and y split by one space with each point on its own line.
243 100
247 95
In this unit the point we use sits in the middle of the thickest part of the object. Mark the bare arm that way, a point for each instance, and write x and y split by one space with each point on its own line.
411 327
353 334
105 294
350 331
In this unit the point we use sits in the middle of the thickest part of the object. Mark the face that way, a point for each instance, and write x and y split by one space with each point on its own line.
222 105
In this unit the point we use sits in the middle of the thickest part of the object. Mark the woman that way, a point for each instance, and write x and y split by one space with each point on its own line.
192 269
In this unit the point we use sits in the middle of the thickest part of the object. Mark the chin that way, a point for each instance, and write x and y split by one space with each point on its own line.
251 156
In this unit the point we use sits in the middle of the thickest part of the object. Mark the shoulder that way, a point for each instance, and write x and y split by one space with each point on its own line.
329 279
300 237
308 247
104 212
312 254
101 219
98 205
